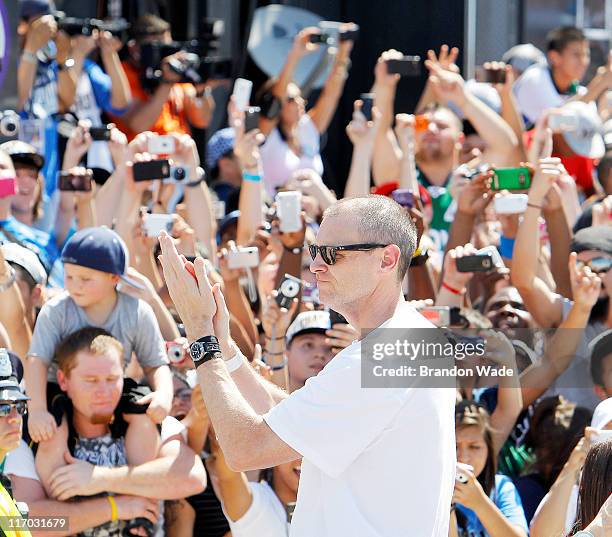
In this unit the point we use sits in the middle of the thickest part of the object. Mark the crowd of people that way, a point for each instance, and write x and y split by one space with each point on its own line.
496 196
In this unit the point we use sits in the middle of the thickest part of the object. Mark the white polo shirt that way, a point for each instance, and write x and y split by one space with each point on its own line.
377 462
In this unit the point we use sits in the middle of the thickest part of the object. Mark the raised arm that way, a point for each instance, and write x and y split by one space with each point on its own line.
509 109
324 109
40 32
386 153
362 134
446 60
561 348
501 141
13 315
301 47
121 95
542 303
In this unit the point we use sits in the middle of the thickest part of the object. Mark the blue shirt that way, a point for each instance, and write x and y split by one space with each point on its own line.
41 243
506 498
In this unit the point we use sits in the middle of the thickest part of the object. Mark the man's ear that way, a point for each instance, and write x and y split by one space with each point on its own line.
115 279
62 380
37 296
553 57
390 258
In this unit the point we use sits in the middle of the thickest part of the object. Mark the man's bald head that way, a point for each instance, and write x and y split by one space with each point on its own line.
378 219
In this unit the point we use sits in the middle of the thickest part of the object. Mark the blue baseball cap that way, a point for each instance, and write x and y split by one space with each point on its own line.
219 144
31 8
99 248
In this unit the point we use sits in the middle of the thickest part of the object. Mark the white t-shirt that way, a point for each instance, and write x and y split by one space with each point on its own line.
377 462
265 517
20 462
535 92
279 161
86 107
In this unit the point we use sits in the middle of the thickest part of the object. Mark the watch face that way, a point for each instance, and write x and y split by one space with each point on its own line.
196 350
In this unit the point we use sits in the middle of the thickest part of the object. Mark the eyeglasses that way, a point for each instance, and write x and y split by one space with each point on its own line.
597 264
6 408
328 253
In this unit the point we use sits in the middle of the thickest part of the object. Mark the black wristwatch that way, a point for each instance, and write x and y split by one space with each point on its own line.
205 349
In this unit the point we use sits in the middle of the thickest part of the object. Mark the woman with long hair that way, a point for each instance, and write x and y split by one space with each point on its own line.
484 502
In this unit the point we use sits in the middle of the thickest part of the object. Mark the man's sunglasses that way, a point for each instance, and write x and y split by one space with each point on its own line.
597 264
6 408
328 253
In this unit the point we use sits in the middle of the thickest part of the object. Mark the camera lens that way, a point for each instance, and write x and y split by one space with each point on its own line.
179 174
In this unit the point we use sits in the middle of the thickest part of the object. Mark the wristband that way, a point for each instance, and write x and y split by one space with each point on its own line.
235 362
506 247
273 338
255 178
452 289
533 205
113 504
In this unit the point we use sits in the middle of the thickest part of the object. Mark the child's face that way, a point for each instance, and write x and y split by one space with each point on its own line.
573 61
88 286
472 448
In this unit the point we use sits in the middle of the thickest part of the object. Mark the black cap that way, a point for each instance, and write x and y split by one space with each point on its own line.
22 153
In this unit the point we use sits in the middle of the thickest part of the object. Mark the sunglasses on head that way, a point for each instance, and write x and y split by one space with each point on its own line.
328 253
6 408
597 264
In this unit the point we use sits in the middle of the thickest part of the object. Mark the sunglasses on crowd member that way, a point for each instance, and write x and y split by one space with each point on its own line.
6 408
597 264
328 253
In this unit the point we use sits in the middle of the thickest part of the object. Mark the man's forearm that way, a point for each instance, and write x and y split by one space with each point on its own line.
86 213
26 74
107 196
79 516
557 227
358 182
168 478
144 116
460 231
494 130
121 95
13 317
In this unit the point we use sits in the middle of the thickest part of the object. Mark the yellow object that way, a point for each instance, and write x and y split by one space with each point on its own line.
114 514
11 517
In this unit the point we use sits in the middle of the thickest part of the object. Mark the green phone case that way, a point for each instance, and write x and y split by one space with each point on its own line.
511 179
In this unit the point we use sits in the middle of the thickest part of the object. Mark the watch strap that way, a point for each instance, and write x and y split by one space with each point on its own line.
204 350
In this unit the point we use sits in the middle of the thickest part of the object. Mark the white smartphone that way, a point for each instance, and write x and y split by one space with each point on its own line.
242 93
602 435
563 122
461 474
288 209
154 224
162 145
511 203
243 257
494 253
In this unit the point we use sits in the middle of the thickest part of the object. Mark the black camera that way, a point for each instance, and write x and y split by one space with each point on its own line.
194 67
288 289
74 26
9 125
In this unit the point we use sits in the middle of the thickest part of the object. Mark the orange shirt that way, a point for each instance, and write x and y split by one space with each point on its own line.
172 118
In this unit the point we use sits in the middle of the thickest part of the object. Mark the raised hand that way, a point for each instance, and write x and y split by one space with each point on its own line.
404 131
360 131
452 277
547 172
602 212
586 285
446 85
383 78
189 289
446 59
41 31
302 44
475 195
